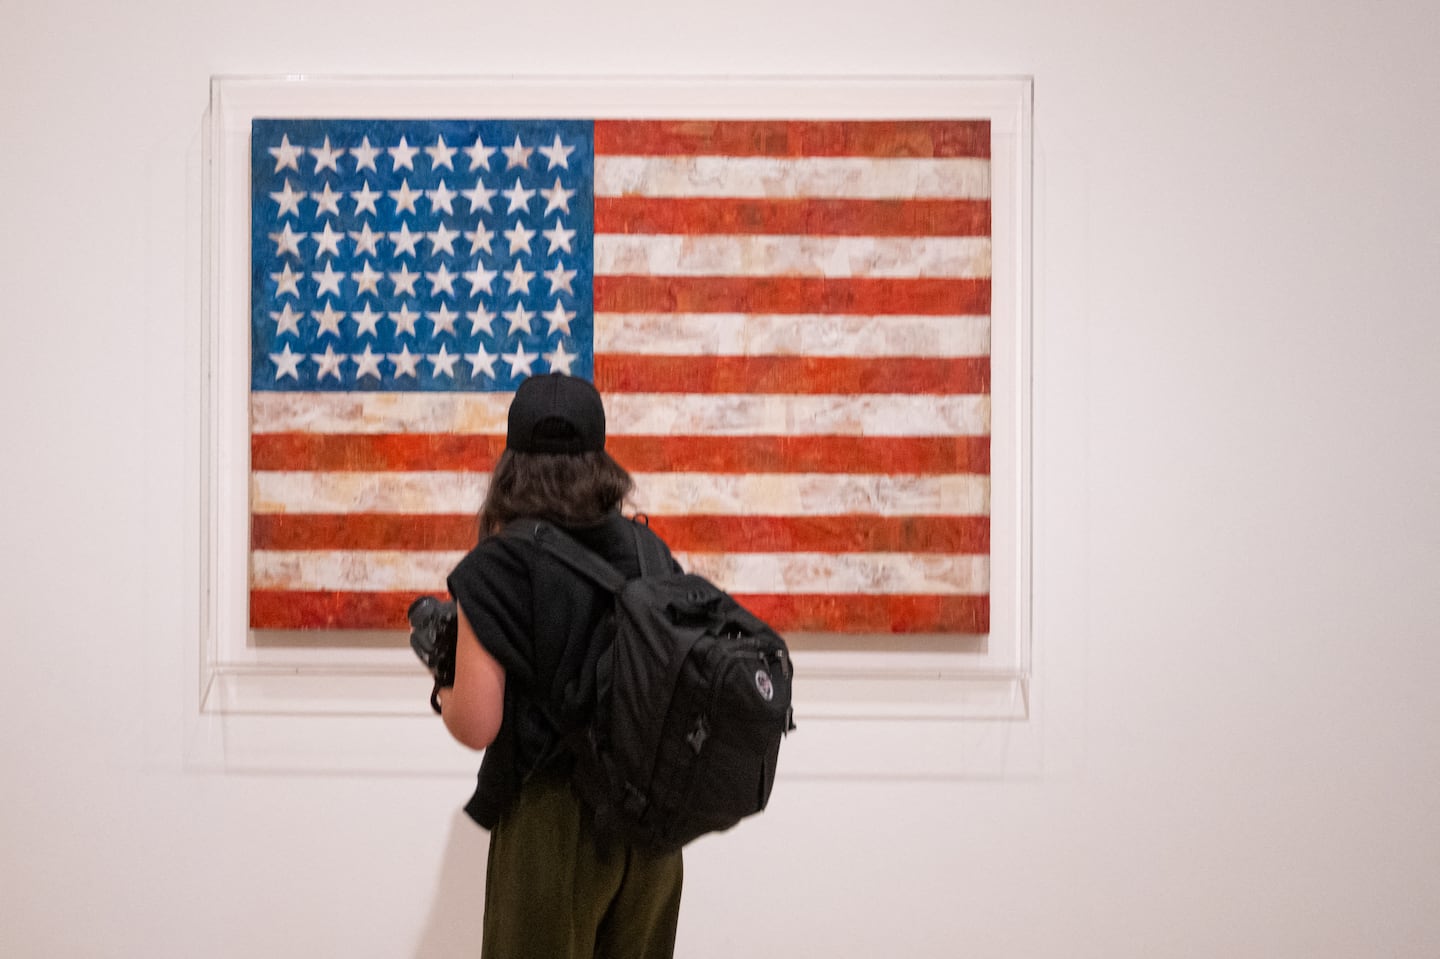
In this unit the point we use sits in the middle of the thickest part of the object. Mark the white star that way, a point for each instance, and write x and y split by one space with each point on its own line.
287 241
440 154
519 318
479 197
404 319
481 319
405 197
328 199
289 199
368 278
518 196
442 238
560 360
520 360
519 278
287 320
368 363
479 154
517 155
558 154
365 155
328 280
328 239
286 154
287 362
365 240
329 320
480 240
367 318
440 198
404 240
287 281
324 156
441 280
559 238
329 362
443 362
557 197
404 361
519 236
480 279
560 279
404 280
443 318
481 361
404 154
559 319
365 199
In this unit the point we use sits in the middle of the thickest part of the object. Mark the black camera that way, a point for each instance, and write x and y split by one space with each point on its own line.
433 636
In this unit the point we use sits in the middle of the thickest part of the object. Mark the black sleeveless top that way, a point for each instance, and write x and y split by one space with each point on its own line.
537 618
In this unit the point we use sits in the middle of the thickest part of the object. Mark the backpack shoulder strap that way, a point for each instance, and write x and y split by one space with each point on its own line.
559 544
654 557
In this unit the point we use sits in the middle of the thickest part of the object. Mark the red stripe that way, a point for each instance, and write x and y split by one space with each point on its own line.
872 614
813 217
767 534
794 138
786 294
286 609
826 534
644 373
278 609
363 531
925 455
333 452
921 455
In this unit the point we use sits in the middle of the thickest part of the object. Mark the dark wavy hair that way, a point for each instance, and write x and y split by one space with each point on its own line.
568 489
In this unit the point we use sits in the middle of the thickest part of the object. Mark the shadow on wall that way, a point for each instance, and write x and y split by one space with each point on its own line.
453 927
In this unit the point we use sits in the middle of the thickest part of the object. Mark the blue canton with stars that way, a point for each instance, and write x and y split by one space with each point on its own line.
420 254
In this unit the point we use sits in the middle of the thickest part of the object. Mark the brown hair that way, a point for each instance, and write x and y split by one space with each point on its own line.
569 489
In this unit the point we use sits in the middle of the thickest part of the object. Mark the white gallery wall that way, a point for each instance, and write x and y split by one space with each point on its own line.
1237 532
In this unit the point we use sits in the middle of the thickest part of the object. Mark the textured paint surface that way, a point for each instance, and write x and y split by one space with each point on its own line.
789 322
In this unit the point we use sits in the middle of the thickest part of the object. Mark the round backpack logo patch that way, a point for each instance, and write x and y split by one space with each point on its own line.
764 685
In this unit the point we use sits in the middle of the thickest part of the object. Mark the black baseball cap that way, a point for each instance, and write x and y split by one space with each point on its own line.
556 413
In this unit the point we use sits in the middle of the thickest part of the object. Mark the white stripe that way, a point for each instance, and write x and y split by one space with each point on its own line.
965 257
385 492
658 494
840 574
810 494
735 414
767 334
844 573
648 414
776 178
365 571
462 413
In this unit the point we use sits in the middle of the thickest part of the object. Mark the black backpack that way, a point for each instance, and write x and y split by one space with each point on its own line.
692 698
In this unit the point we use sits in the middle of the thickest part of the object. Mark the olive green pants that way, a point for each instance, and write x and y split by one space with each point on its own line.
551 893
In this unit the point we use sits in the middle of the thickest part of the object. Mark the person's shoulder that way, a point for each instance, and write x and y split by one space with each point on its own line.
651 541
497 554
641 522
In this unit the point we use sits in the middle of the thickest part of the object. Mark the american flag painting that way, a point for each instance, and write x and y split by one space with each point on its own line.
789 322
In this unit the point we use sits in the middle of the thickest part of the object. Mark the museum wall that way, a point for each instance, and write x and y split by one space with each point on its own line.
1237 539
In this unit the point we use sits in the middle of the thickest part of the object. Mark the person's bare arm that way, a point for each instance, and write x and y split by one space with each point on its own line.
473 707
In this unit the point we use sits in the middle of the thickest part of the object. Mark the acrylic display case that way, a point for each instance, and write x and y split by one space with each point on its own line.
806 302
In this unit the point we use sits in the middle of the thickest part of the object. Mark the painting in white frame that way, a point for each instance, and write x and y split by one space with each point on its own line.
805 302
